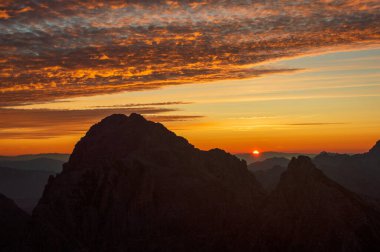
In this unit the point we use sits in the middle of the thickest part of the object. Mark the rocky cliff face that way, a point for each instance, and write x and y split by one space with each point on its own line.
132 184
309 212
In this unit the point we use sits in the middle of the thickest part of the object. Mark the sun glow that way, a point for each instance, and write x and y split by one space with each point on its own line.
256 153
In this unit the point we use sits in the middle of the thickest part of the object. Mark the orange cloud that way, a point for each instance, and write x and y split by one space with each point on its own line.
60 49
4 14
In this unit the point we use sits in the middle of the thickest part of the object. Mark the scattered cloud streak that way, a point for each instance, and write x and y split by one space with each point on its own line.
47 123
60 49
316 124
137 105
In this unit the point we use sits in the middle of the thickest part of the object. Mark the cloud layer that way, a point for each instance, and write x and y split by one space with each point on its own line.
60 49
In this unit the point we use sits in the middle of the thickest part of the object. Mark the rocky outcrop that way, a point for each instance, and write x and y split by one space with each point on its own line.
309 212
131 184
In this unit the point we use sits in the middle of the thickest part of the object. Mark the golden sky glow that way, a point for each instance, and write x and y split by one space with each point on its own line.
238 75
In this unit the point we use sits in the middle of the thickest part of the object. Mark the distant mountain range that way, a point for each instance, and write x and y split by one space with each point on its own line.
27 157
132 185
249 158
23 178
359 173
37 164
23 186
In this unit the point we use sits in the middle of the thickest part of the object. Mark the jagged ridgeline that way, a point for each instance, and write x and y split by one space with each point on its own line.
132 185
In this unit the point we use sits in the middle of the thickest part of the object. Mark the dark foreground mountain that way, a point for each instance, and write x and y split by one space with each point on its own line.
132 185
309 212
13 224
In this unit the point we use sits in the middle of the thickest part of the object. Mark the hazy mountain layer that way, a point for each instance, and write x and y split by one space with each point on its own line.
359 173
25 187
37 164
27 157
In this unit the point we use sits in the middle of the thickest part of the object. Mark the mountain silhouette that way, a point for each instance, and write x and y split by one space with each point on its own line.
309 212
131 184
359 173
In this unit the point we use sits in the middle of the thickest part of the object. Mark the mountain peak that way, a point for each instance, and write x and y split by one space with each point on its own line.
309 212
120 118
115 117
118 136
301 164
136 116
301 172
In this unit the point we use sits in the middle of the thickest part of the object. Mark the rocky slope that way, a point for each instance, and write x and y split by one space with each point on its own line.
131 184
13 223
309 212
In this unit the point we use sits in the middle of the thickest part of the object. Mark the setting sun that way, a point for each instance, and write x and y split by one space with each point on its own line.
256 152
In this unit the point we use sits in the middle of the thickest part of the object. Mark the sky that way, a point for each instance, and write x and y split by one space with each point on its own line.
292 76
